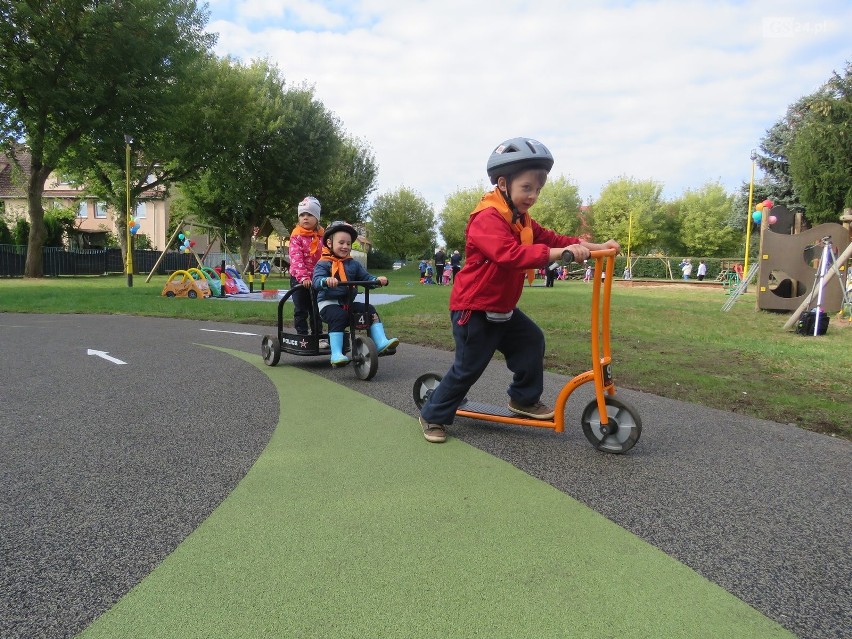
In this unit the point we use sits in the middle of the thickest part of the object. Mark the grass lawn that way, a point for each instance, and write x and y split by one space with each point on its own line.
672 341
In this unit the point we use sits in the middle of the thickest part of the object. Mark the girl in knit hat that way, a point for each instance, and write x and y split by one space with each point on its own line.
305 252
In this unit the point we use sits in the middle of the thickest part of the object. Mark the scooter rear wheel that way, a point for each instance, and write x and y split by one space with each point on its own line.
423 387
622 431
365 357
270 348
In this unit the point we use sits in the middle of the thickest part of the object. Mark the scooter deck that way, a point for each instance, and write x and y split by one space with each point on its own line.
487 409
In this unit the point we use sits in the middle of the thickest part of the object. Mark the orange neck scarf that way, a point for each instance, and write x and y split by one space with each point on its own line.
338 270
315 235
522 228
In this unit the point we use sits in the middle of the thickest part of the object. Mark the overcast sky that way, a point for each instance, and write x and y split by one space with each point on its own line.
677 92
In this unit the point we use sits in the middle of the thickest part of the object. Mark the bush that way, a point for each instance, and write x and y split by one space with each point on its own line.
5 233
379 260
21 232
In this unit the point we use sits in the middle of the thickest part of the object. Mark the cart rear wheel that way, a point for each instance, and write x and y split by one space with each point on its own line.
622 431
270 348
170 294
424 386
365 357
192 295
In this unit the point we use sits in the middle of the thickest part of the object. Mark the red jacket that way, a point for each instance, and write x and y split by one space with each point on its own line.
496 262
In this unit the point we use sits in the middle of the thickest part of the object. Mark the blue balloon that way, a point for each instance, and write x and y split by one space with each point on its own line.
756 216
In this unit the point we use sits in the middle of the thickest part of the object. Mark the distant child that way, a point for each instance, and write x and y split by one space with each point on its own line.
588 275
686 268
702 270
336 302
305 252
502 243
427 276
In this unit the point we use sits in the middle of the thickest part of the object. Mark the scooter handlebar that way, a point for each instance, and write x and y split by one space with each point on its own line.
568 256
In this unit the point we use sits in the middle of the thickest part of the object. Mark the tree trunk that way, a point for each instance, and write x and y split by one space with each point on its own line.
34 266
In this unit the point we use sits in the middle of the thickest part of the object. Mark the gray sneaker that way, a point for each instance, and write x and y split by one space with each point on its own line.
535 411
434 433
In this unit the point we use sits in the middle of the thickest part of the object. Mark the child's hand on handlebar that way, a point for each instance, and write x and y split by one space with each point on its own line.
579 252
382 280
612 244
331 282
306 282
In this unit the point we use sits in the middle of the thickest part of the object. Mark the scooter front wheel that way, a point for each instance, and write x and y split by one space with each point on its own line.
365 357
270 348
423 387
620 433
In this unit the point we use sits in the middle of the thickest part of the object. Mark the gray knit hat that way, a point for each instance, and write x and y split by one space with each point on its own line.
310 205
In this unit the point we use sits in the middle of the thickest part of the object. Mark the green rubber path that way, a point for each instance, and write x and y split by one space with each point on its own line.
351 525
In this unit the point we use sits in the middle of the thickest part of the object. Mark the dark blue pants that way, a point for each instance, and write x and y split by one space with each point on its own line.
303 309
338 319
521 342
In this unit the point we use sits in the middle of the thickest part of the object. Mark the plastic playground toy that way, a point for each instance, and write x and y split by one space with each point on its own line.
357 343
242 287
189 285
213 281
610 424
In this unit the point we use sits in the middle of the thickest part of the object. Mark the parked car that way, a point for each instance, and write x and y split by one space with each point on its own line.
397 265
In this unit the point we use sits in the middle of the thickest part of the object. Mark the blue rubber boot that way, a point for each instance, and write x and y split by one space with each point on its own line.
335 342
377 332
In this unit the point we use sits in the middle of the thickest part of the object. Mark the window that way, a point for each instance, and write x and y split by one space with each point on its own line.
101 210
83 209
140 211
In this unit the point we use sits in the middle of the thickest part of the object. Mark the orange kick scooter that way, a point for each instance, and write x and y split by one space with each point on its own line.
610 424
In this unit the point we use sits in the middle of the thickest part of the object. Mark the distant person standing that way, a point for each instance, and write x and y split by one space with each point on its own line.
686 268
702 270
455 263
440 262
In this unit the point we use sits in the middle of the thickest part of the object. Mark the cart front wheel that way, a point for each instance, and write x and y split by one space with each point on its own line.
270 348
423 388
365 357
620 433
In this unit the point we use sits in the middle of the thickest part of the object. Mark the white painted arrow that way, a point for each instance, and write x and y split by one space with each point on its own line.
213 330
104 355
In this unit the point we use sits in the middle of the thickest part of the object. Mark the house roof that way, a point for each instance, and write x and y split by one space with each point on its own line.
8 188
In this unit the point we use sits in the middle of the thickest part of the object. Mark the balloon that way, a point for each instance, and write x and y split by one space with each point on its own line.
181 236
756 216
759 206
767 204
133 231
772 219
192 243
135 227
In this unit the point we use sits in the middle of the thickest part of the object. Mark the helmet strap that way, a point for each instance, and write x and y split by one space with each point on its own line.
516 214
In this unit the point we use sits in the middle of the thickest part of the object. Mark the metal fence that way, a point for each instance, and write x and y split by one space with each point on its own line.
61 261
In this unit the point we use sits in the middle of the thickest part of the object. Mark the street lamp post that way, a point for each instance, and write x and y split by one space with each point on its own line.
748 212
129 261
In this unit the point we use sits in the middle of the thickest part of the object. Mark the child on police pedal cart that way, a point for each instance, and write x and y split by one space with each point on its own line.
305 252
335 302
502 243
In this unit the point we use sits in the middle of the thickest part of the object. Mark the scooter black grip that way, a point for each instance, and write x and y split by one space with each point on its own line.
567 256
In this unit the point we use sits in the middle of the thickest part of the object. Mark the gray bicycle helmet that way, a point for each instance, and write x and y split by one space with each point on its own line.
339 225
518 154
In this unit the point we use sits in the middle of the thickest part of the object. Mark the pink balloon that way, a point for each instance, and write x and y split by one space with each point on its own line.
772 219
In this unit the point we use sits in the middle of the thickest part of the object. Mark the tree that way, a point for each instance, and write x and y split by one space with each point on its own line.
704 229
73 69
820 156
288 142
194 123
558 207
628 207
456 212
773 160
402 223
351 180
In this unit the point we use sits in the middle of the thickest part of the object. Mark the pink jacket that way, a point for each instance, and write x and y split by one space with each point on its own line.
302 261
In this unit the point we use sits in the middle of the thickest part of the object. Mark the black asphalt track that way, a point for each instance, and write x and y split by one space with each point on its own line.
106 467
